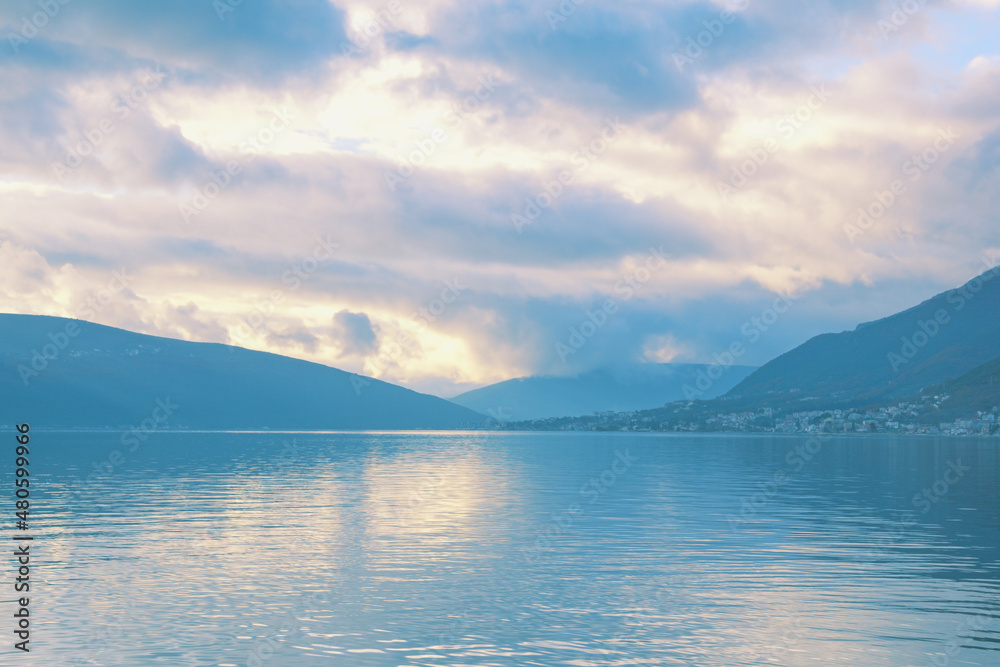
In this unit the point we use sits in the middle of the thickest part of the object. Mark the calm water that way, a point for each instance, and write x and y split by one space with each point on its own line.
512 549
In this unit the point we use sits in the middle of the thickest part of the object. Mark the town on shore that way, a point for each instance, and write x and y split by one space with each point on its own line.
908 418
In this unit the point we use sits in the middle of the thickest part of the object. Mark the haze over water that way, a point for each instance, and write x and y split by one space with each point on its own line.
449 549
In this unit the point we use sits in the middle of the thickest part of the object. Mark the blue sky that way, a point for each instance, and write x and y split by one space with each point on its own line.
445 194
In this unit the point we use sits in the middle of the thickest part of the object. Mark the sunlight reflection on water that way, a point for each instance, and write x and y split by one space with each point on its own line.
515 549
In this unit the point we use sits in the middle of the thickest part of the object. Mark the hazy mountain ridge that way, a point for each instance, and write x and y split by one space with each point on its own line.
636 387
106 377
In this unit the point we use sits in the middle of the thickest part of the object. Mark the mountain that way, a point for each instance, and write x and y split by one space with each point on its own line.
893 358
62 373
636 387
976 391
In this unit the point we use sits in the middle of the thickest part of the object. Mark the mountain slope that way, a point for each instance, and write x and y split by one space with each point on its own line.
943 337
976 391
637 387
106 377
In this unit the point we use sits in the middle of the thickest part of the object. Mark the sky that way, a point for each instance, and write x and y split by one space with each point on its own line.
447 194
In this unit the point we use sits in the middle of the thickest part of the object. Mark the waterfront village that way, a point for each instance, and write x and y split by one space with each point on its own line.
903 418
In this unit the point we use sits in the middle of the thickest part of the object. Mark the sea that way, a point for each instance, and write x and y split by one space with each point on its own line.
479 549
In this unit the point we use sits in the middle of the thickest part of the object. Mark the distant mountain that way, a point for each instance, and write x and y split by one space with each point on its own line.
56 372
893 358
636 387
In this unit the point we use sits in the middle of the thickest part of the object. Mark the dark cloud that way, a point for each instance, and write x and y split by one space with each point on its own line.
640 57
355 333
601 56
979 168
582 224
257 41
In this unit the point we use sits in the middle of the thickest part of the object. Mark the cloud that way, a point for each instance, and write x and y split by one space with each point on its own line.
640 57
355 333
292 336
980 168
246 268
263 42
